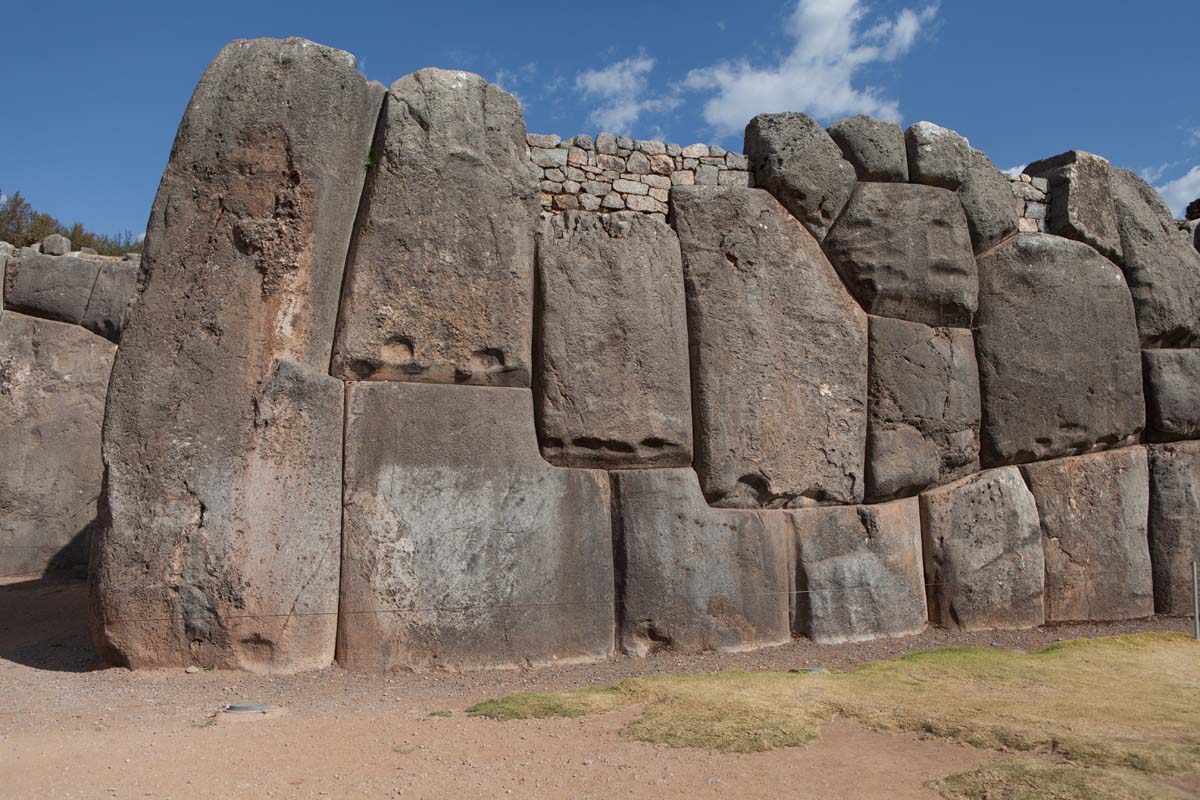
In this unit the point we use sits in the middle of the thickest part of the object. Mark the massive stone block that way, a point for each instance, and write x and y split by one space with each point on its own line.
53 378
982 546
1173 532
693 578
1059 365
937 156
1172 393
1081 203
874 147
613 387
778 350
462 548
922 407
1093 511
1161 265
439 286
987 199
54 287
858 571
110 300
794 159
222 436
905 251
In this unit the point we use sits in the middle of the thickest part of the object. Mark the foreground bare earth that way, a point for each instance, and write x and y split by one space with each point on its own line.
71 728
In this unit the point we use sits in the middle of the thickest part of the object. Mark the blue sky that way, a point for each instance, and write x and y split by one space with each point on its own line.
93 92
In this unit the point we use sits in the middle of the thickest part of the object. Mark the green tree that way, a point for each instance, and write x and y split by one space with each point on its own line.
21 225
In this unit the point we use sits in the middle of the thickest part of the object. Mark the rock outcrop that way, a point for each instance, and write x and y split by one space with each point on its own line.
612 390
778 355
221 519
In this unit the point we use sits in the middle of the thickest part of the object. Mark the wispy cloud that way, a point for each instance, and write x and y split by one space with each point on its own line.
623 92
514 80
1152 174
1015 172
1181 191
1194 136
831 44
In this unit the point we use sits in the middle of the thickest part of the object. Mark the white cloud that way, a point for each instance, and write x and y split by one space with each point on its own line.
512 80
830 47
1194 136
623 89
1015 172
1152 174
1181 191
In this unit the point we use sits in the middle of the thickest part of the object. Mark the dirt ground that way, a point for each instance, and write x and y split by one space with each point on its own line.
69 727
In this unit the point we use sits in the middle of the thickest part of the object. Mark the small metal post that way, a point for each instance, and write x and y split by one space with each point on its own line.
1195 602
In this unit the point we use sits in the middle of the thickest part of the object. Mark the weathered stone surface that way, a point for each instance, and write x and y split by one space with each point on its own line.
112 295
54 287
1173 533
858 571
778 354
695 578
218 542
987 199
53 378
1172 384
1081 202
874 147
922 407
905 251
56 245
1093 511
982 546
613 388
794 159
462 548
937 156
440 278
1161 265
1059 365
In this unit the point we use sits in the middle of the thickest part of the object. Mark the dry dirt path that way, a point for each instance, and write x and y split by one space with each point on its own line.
69 728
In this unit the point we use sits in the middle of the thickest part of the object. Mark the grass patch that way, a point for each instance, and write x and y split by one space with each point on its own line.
441 713
1033 779
1124 702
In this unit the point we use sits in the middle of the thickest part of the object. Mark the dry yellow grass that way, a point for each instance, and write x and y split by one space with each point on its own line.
1124 703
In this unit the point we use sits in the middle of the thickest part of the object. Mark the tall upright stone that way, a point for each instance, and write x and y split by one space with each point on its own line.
1059 365
779 352
1162 267
1093 512
439 285
905 251
982 546
922 407
694 578
1081 201
462 548
1174 534
53 379
794 159
221 519
613 381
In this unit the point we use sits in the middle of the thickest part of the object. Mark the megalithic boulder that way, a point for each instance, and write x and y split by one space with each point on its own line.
221 517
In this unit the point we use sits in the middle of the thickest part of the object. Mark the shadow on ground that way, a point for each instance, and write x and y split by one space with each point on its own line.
44 625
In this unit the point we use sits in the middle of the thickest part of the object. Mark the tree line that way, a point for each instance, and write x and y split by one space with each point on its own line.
22 226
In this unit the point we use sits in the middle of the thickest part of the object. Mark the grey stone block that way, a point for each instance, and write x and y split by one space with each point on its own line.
53 287
874 147
1173 532
937 156
1081 202
987 199
462 548
1172 384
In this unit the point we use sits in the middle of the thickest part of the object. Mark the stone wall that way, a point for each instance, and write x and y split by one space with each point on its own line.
443 413
613 173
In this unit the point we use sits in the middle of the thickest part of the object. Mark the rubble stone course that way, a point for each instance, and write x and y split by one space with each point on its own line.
401 384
